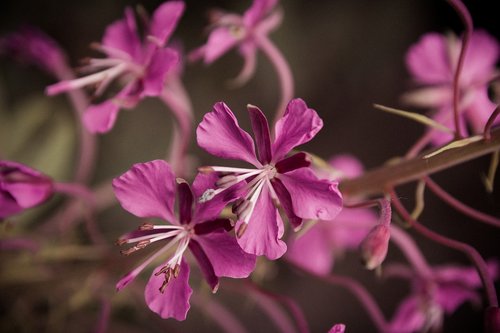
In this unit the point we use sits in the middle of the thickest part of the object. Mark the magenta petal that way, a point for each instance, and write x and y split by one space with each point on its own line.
257 11
337 328
480 59
101 118
147 190
313 250
161 62
348 165
122 35
174 301
312 198
226 256
8 206
210 210
28 195
262 236
409 317
480 109
286 202
428 60
219 42
450 297
165 19
261 132
298 126
205 265
220 135
184 201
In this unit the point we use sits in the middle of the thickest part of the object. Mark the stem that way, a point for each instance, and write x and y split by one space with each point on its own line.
76 190
282 69
226 320
467 20
461 207
88 143
292 306
489 123
411 252
358 290
175 98
468 250
375 182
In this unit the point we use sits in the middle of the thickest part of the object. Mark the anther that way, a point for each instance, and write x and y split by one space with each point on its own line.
146 226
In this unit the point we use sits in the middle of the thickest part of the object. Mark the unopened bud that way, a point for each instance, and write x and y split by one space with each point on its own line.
374 247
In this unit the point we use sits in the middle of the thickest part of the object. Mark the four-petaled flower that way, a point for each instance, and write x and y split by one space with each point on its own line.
433 60
231 30
21 188
277 180
447 289
148 190
142 65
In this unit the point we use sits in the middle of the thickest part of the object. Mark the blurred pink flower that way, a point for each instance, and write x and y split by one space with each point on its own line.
277 179
143 65
430 300
148 190
21 188
432 62
229 30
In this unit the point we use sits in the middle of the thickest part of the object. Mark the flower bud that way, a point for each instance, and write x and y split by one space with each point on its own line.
492 320
374 246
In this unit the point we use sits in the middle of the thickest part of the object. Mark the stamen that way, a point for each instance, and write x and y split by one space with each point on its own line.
241 230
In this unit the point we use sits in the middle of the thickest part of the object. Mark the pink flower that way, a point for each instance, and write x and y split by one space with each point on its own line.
317 248
450 287
143 65
277 180
231 30
433 60
32 46
21 188
148 190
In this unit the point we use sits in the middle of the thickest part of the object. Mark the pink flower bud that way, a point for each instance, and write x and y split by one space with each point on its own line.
374 246
492 320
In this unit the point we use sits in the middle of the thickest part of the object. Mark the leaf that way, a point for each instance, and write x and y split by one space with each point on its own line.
455 144
416 117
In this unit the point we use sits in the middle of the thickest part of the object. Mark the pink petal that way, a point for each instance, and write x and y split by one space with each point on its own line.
101 118
184 201
257 11
261 132
337 328
30 194
430 97
450 297
205 265
312 198
348 165
165 19
122 35
211 209
162 61
429 61
408 318
220 135
174 301
298 126
226 256
147 190
313 250
480 109
350 227
262 236
219 42
480 59
8 206
285 201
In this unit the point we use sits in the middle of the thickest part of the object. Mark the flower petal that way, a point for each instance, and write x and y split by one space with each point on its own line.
159 66
165 19
480 59
262 236
220 135
101 118
174 301
408 317
122 35
313 250
312 198
286 202
261 132
205 265
298 126
257 11
429 61
184 201
219 42
147 190
210 210
348 165
226 256
29 194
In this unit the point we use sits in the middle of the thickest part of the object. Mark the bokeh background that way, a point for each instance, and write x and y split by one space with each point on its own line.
345 55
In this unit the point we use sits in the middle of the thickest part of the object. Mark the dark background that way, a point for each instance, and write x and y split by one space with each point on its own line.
345 55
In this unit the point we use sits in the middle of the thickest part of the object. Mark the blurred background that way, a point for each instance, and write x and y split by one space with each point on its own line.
345 56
